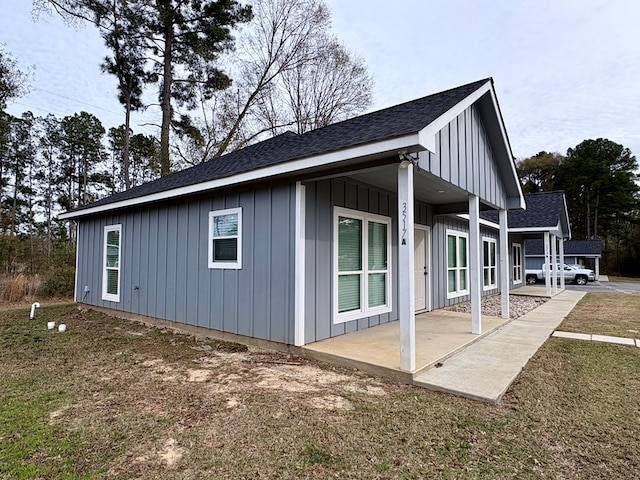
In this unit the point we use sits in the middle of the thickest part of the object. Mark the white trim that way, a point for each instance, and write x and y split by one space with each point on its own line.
300 264
110 296
428 240
475 264
364 310
486 223
513 265
75 275
407 142
233 265
457 293
406 268
505 253
490 286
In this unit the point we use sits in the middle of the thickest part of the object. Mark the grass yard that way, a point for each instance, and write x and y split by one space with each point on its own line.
115 399
613 278
605 314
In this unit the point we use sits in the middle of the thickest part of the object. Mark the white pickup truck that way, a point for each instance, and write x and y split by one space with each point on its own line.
572 273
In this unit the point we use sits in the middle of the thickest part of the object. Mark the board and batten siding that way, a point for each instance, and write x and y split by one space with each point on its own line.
321 198
165 255
439 259
464 158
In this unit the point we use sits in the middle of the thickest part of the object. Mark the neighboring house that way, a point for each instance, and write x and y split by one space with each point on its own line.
576 252
546 216
305 237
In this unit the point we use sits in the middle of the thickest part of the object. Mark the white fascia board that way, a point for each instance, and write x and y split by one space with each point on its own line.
554 230
406 142
566 216
428 134
505 140
482 221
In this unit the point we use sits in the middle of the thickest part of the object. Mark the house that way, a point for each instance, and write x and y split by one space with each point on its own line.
576 252
305 237
545 222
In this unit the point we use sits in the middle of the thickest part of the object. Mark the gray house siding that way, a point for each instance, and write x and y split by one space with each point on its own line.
321 198
464 158
439 259
164 253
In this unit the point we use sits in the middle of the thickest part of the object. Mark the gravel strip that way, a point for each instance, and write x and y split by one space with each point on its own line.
491 305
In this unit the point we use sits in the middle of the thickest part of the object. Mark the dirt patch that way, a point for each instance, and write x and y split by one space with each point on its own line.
172 453
331 402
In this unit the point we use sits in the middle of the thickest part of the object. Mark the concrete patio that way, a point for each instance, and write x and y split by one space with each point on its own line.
449 357
376 350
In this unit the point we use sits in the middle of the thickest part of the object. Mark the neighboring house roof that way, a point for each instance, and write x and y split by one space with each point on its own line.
410 118
580 248
545 211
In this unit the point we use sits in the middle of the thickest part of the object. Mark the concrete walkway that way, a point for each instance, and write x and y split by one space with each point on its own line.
634 342
485 369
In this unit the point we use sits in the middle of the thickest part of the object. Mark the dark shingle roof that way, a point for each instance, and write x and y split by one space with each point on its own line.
571 247
392 122
544 209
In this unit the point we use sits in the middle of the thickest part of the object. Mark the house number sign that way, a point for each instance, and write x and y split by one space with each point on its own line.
404 223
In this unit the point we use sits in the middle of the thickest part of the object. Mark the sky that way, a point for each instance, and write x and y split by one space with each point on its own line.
564 70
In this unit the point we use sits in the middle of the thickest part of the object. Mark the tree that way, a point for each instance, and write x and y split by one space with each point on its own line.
182 38
598 179
13 82
81 180
144 156
538 173
289 73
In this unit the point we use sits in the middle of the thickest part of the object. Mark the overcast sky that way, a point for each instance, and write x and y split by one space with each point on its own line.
564 70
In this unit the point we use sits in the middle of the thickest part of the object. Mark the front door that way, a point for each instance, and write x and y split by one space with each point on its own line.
421 269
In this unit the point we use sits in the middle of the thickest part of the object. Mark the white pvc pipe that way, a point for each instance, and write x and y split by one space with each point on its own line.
33 310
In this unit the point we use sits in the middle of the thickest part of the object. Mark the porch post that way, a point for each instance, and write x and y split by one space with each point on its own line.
547 266
406 287
475 270
561 244
299 264
504 263
597 268
556 270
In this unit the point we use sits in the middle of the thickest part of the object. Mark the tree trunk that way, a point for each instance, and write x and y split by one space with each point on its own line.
127 137
167 78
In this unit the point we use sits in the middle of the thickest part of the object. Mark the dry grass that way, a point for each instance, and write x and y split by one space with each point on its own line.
613 278
605 314
19 288
114 399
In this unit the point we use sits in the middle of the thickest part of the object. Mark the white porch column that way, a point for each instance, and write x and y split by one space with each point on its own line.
561 243
504 263
406 286
554 260
547 265
597 268
475 265
299 264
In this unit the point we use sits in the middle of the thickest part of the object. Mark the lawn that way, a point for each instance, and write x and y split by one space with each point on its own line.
606 314
613 278
115 399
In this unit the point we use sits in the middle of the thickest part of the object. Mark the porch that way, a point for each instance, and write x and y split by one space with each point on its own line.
438 335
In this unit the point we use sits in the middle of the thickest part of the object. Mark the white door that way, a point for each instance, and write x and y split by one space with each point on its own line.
421 269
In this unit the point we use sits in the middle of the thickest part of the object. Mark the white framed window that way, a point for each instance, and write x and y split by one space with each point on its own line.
489 264
361 264
112 251
516 250
225 238
457 263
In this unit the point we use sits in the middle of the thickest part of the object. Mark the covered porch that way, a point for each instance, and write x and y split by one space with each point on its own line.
438 335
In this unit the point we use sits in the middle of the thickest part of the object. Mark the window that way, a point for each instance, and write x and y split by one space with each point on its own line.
457 264
225 238
489 268
362 255
111 270
517 263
